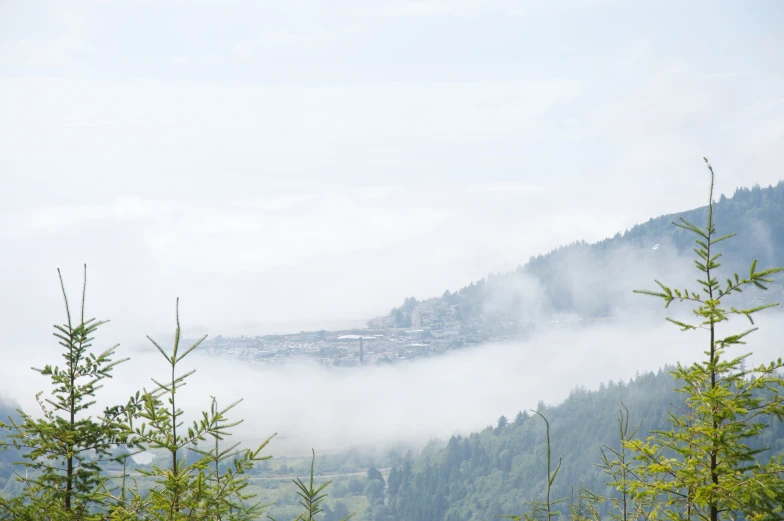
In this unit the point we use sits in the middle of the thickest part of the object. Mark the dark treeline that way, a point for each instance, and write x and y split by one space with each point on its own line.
498 470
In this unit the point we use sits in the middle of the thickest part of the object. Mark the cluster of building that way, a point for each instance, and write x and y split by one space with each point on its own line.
335 348
431 327
434 329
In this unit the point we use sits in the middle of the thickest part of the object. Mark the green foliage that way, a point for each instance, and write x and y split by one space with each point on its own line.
8 457
502 422
338 512
196 490
65 450
520 418
374 474
484 474
311 496
704 465
619 466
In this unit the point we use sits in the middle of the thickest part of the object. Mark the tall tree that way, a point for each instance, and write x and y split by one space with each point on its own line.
619 466
65 449
703 466
502 422
185 489
312 496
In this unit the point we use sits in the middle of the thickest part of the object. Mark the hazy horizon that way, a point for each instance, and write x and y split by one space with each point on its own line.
319 164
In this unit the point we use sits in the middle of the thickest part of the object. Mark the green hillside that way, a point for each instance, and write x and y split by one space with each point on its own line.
8 485
496 471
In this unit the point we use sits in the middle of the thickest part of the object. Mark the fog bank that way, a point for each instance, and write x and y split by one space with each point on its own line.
327 408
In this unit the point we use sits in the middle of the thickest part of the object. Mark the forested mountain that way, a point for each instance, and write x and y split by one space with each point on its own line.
594 280
496 471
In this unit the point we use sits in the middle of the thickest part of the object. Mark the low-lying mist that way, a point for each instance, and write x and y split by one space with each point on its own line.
410 402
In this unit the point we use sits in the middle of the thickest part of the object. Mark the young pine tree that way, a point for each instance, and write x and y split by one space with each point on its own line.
619 465
704 467
211 488
65 449
311 496
543 510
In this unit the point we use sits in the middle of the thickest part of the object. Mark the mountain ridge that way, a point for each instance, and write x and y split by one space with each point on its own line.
756 214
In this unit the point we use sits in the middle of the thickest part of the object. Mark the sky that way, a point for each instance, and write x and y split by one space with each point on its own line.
287 165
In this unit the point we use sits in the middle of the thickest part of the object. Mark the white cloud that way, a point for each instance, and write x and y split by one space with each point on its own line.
284 38
57 53
445 7
213 59
243 52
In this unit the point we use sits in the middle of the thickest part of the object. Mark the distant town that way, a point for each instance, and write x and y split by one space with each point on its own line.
431 328
414 330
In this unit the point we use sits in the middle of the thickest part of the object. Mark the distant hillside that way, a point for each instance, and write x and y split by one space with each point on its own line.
496 471
8 486
594 280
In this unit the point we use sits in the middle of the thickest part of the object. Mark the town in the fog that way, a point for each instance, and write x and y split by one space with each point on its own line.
431 328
